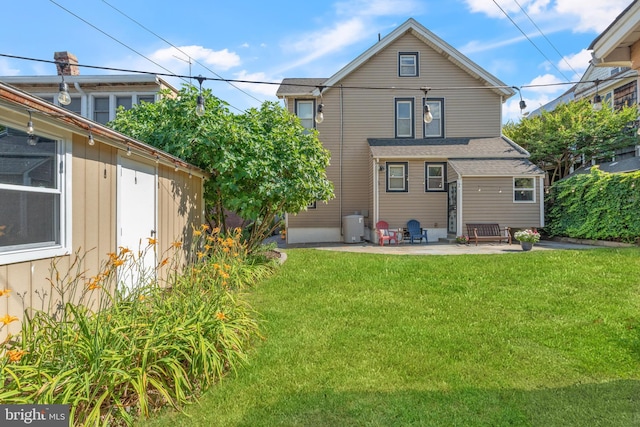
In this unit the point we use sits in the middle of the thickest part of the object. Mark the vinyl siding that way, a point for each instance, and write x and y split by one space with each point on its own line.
429 208
370 114
491 205
93 222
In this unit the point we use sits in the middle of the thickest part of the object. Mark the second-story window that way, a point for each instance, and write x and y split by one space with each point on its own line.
304 111
124 102
404 118
435 129
101 109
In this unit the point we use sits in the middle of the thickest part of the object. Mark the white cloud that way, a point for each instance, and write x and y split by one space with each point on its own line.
268 90
219 59
245 45
377 7
577 62
6 69
322 42
547 84
595 16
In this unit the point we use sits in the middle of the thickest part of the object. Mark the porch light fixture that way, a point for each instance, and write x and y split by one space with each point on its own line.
597 100
200 100
320 110
30 130
91 141
128 150
63 88
427 115
522 104
177 166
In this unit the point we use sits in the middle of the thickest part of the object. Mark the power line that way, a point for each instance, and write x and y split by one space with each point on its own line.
545 37
530 41
108 35
421 88
180 50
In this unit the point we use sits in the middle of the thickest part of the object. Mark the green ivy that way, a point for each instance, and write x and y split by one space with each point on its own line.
598 205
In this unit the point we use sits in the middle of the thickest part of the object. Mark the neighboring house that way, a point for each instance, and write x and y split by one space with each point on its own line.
96 97
76 185
388 164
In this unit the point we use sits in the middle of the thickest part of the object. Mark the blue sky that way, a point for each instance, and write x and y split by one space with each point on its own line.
270 40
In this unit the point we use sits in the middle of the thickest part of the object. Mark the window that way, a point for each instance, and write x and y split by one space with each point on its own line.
408 64
397 176
146 98
124 102
101 109
304 111
435 176
32 183
435 129
75 106
524 190
404 118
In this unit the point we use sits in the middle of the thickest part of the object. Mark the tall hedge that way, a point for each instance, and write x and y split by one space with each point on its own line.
598 205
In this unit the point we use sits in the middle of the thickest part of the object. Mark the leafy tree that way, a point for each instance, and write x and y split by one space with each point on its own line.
263 162
560 138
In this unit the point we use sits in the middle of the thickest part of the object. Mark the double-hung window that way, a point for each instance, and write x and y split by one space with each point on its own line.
435 129
435 176
33 210
408 64
404 118
304 111
397 176
524 190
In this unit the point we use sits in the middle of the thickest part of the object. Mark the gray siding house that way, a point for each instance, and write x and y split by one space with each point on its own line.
389 164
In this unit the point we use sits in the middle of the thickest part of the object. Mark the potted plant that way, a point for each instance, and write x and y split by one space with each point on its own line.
462 240
527 238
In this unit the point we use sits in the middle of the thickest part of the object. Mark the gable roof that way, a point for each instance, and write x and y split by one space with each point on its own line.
449 148
613 46
433 41
299 86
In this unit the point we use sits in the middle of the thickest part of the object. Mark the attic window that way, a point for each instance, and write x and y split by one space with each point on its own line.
408 64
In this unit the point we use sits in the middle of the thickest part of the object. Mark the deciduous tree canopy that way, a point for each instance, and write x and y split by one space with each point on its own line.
557 139
263 162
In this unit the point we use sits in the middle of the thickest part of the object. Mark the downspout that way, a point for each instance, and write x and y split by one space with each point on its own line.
541 201
84 106
341 151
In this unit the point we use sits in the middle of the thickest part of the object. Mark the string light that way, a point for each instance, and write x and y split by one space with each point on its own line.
91 140
200 101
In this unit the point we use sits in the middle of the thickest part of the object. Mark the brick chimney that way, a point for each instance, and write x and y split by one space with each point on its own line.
66 58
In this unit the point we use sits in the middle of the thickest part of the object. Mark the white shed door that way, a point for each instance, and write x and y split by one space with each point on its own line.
137 208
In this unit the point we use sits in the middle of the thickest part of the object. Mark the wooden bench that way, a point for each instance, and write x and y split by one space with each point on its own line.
488 232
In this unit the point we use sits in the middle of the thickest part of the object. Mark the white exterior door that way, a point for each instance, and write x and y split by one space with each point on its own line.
137 207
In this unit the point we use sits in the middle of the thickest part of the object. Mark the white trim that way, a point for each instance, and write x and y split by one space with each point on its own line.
433 41
533 190
65 156
610 41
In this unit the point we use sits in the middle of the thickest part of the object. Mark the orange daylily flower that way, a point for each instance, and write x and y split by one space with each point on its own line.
164 262
5 292
221 316
204 227
15 355
177 244
8 319
118 262
152 241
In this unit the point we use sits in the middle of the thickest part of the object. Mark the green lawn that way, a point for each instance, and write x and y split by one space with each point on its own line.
523 339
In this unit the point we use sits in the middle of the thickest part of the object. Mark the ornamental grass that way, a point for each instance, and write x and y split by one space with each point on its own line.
117 353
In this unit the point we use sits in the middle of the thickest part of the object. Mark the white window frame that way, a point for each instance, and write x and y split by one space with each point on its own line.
441 178
410 119
415 72
437 110
63 188
518 189
401 173
310 119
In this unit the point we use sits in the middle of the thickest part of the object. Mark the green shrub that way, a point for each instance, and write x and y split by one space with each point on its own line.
115 354
599 205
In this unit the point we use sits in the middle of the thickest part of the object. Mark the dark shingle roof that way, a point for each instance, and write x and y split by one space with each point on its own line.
298 86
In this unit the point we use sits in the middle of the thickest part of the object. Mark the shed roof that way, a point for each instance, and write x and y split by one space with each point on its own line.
495 167
496 147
